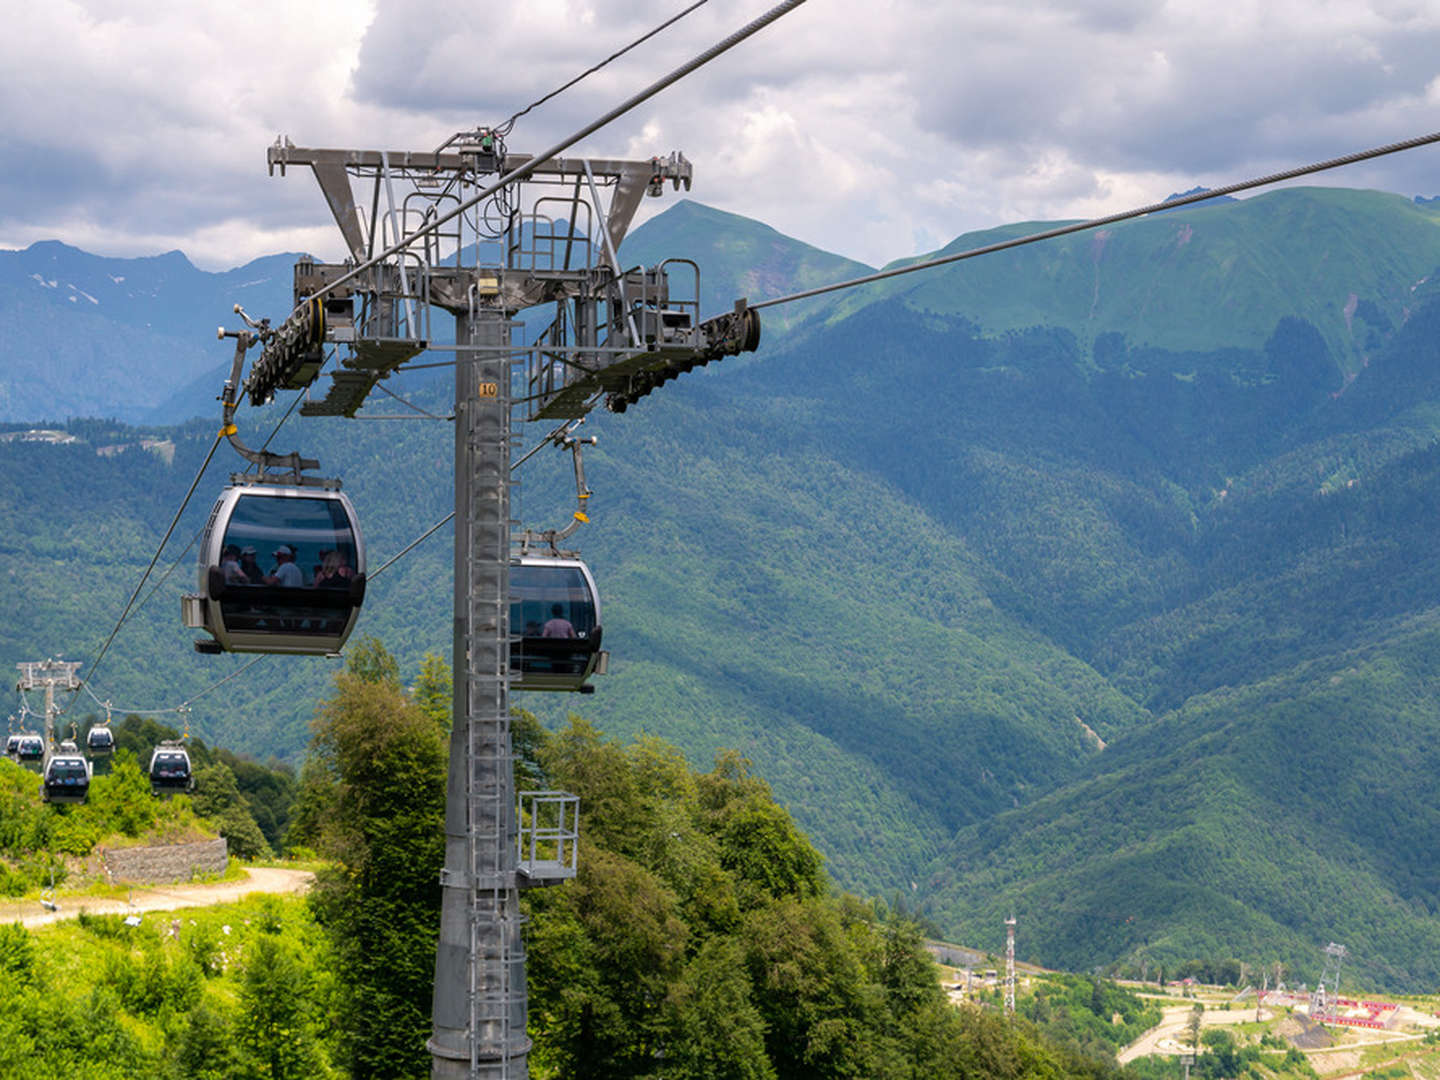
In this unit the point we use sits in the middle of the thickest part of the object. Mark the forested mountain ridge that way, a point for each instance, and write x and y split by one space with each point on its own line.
1204 278
920 557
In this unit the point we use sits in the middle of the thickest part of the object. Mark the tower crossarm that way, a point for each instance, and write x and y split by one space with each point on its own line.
632 180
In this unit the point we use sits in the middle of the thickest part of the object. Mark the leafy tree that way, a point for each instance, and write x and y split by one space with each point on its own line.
208 1048
277 1027
369 661
375 800
717 1032
17 955
217 797
435 690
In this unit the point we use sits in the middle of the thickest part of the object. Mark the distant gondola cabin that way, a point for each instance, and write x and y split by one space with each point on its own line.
67 777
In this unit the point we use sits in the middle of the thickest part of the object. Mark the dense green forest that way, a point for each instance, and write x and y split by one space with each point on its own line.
1092 582
702 938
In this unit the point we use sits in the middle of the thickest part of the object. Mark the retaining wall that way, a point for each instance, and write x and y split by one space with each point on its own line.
167 863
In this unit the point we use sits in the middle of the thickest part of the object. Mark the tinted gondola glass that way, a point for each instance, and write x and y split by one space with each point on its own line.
100 740
67 778
170 771
554 623
282 570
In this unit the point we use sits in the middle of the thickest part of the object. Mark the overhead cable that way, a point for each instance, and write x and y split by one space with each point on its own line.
505 128
95 664
410 404
1095 223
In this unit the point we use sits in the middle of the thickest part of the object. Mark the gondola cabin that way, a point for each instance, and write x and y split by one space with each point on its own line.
67 776
282 570
12 745
100 741
170 772
30 750
554 624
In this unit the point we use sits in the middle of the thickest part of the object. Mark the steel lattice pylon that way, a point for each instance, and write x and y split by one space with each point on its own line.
1322 1001
617 332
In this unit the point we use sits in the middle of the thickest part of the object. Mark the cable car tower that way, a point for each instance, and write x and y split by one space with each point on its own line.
421 233
48 675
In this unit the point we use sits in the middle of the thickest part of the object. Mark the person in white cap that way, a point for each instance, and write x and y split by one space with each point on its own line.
286 573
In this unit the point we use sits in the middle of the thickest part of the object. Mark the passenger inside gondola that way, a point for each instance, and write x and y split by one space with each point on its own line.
286 573
230 566
299 533
558 626
250 567
333 572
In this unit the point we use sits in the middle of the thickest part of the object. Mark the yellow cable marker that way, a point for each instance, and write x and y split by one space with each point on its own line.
581 517
229 429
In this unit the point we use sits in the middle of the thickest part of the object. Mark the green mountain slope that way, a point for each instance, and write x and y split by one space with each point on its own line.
932 546
1206 278
1256 822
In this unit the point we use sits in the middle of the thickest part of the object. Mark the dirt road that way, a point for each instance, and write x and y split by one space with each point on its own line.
258 879
1168 1036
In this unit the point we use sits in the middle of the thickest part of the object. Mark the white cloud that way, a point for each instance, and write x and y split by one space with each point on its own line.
865 128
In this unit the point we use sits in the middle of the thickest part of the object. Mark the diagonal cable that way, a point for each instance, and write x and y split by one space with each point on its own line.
505 128
1126 215
95 664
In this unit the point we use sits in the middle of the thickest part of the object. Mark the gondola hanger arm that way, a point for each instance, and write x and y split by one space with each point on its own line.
263 460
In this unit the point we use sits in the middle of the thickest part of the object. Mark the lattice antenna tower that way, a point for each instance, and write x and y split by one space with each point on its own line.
1010 966
1323 1000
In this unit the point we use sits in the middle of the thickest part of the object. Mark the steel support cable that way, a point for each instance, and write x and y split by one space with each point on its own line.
184 705
169 570
520 172
410 404
505 128
450 516
1095 223
393 559
95 664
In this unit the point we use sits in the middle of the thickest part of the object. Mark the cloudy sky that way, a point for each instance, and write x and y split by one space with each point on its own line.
873 128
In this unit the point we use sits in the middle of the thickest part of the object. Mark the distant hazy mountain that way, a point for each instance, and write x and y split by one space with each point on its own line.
1095 582
91 336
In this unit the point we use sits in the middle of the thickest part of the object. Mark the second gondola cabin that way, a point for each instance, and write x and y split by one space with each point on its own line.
282 570
170 769
30 749
554 624
67 776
